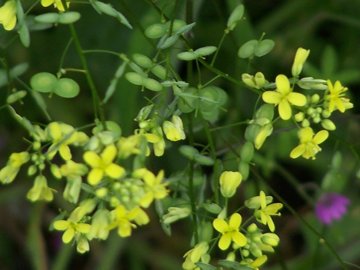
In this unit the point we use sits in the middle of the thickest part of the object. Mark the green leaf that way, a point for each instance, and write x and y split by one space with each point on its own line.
135 78
24 35
247 50
112 87
50 17
203 160
67 88
187 56
204 51
142 60
43 82
19 70
264 47
69 17
153 85
235 17
155 31
188 151
110 11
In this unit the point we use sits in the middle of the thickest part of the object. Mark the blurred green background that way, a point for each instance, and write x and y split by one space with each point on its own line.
329 28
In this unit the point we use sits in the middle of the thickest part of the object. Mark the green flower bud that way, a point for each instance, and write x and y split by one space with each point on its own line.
32 170
176 213
326 113
247 152
315 98
270 239
260 79
244 169
305 123
229 182
248 80
300 58
55 170
299 117
328 124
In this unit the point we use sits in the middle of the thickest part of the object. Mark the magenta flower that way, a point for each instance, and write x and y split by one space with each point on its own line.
330 207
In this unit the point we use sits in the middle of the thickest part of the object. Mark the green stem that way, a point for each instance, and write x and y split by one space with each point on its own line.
295 183
192 201
98 112
218 49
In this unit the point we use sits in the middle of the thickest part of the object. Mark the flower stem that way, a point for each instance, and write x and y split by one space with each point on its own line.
98 111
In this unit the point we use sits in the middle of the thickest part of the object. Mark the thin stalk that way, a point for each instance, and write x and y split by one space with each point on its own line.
218 49
98 112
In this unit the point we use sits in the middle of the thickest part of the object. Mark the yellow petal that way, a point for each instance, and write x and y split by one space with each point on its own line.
114 171
68 235
271 97
296 99
321 136
239 239
282 84
65 152
109 154
46 3
225 241
306 134
284 110
297 151
235 221
61 225
83 227
220 225
92 159
95 176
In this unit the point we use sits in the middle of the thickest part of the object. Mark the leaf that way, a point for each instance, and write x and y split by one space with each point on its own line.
247 50
67 88
19 70
112 87
235 17
155 31
43 82
110 11
69 17
50 17
264 47
204 51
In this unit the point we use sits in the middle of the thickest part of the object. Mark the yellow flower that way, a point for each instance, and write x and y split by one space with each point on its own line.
229 182
122 218
8 15
336 98
230 231
300 58
309 143
9 172
100 225
62 135
40 190
255 264
103 165
174 130
154 188
283 96
264 132
157 139
129 145
57 4
263 215
196 254
71 228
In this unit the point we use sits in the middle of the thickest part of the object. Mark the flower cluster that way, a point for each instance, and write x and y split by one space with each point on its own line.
116 196
246 249
308 110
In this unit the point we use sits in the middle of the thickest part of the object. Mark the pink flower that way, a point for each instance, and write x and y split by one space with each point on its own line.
331 207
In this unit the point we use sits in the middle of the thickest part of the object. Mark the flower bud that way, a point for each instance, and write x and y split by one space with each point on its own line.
300 58
270 239
260 80
229 181
174 130
176 213
299 117
248 80
328 124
